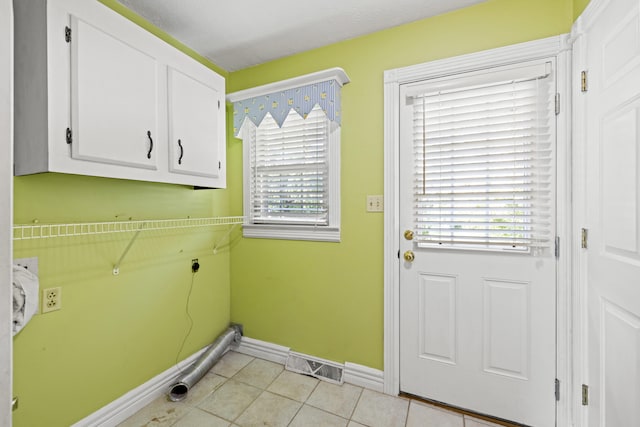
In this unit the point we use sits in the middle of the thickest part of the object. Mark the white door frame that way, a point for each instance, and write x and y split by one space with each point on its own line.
6 209
553 46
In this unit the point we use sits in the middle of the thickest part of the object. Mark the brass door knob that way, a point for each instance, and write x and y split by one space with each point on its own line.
409 256
408 234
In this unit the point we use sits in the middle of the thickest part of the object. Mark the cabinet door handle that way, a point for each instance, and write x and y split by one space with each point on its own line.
181 152
150 144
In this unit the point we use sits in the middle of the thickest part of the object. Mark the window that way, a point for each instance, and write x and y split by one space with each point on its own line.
291 160
483 169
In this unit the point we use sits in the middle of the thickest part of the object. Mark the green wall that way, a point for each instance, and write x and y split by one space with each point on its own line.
114 333
326 299
578 7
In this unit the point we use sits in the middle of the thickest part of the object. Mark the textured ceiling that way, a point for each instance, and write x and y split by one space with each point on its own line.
236 34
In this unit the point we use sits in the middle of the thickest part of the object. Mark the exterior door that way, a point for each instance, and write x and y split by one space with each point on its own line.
478 310
612 176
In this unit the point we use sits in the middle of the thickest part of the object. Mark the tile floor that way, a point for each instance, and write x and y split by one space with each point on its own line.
242 391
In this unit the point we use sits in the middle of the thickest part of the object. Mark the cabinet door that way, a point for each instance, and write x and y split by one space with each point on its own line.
195 139
114 99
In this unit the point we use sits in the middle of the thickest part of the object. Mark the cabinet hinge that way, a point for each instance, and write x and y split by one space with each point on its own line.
583 81
67 34
557 104
557 248
584 240
557 390
69 136
219 165
585 395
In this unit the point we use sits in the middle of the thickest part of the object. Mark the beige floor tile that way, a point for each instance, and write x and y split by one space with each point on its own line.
259 373
337 399
308 416
380 410
198 418
160 412
230 400
294 386
230 364
424 415
203 388
475 422
269 410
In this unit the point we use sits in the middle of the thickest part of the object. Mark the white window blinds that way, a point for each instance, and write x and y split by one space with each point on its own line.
483 150
290 170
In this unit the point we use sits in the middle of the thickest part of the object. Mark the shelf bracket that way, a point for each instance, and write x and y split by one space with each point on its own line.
116 267
217 243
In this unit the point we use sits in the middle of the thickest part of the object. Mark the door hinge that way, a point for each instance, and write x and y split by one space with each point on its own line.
218 104
67 34
584 240
557 104
69 136
583 81
557 249
219 165
14 404
557 390
585 395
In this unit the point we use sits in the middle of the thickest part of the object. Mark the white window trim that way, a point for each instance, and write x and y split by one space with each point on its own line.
322 233
557 46
329 233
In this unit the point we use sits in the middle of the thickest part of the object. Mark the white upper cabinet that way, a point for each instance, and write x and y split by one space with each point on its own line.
194 126
96 94
114 104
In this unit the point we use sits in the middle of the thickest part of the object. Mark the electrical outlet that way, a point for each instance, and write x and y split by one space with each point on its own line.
51 299
375 203
30 264
195 266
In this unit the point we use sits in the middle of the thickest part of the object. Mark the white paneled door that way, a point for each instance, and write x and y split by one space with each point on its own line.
612 193
477 218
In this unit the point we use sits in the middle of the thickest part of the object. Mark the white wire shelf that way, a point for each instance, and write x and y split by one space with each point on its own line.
46 231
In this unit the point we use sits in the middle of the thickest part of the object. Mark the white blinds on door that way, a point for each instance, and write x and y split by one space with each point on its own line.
290 180
483 150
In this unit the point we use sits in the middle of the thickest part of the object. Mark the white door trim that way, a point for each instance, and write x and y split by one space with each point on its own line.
6 209
553 46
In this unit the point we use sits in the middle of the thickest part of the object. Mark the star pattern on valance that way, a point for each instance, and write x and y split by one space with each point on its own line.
278 104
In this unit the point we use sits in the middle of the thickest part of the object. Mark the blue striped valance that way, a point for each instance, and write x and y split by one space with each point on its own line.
280 98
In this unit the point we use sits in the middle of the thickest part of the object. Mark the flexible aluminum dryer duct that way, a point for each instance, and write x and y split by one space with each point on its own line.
200 367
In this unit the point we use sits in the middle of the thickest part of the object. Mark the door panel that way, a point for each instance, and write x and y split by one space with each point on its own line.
193 126
111 79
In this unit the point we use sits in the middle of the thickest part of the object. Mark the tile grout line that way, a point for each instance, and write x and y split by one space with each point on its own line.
353 411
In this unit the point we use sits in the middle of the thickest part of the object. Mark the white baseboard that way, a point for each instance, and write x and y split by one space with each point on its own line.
130 403
263 350
363 376
353 373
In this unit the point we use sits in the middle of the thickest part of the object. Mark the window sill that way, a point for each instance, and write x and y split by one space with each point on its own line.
292 232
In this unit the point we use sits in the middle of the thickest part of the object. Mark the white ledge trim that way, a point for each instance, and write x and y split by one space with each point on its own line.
337 74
